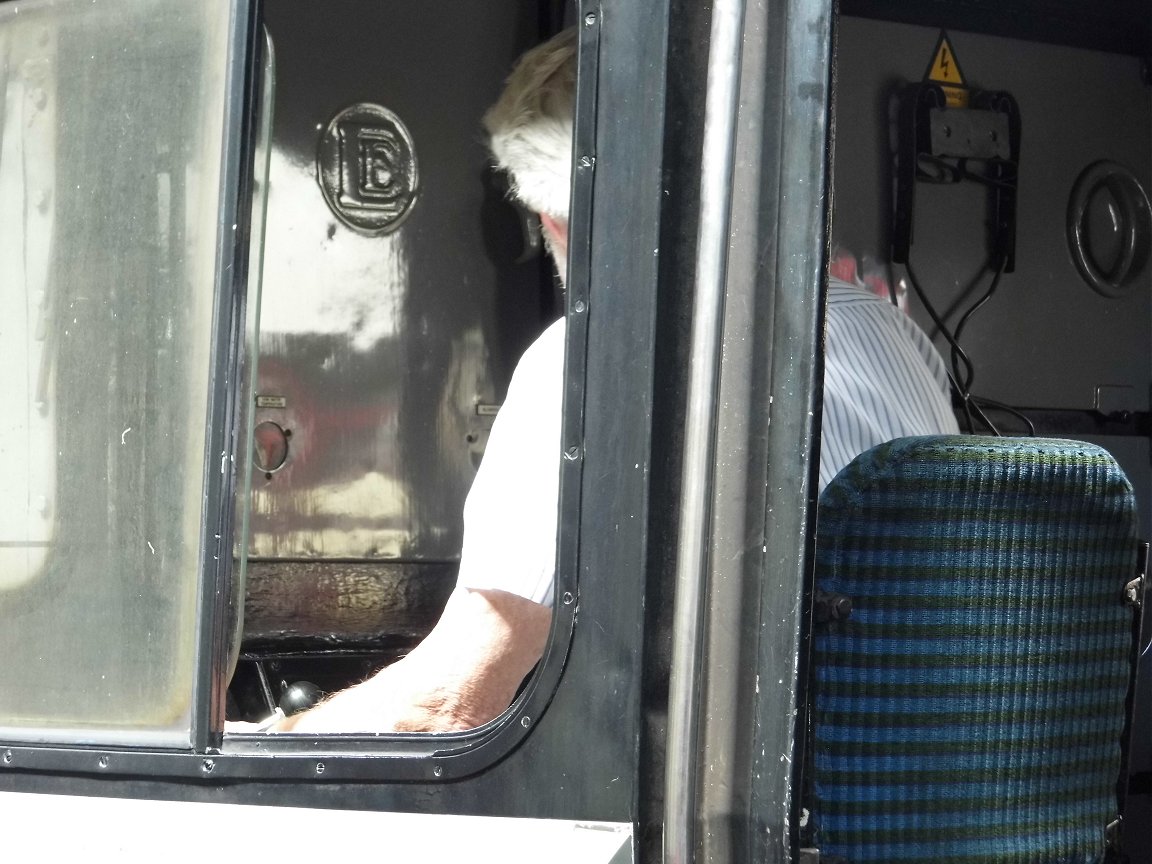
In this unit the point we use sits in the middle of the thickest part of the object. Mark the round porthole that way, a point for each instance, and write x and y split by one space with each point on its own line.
1109 228
269 447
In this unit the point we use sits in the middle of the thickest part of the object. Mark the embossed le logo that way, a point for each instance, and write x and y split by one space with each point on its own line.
366 167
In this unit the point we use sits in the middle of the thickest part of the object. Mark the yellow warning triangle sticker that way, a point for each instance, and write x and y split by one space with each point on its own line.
945 71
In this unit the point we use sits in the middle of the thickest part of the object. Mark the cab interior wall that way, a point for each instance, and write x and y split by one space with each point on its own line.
1046 339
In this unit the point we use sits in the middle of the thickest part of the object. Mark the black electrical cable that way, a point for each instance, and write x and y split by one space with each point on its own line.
934 169
985 402
893 295
964 319
947 173
972 406
963 371
942 328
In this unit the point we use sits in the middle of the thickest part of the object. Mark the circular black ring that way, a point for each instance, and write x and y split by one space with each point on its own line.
1134 221
270 447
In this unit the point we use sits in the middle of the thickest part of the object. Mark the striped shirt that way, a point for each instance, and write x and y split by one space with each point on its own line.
883 379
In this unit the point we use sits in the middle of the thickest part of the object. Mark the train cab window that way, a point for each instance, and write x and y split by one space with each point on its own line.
388 277
403 280
112 161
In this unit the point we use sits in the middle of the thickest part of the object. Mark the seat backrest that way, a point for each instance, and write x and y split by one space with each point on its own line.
972 705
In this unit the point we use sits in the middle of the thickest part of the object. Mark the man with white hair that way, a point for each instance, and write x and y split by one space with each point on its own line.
883 380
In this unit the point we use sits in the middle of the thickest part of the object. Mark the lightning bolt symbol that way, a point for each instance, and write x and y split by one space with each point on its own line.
944 63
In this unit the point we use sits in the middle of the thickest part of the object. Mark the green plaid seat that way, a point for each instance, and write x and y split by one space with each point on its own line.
971 707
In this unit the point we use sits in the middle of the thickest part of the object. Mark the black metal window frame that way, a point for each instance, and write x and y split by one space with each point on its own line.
609 354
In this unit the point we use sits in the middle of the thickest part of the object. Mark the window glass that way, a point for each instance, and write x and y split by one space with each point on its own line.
401 289
111 131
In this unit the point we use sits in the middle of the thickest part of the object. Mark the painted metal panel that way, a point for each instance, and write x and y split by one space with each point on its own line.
128 830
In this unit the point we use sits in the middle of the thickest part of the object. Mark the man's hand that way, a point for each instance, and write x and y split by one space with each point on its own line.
465 673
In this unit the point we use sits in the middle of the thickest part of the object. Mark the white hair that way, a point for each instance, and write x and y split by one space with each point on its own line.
530 126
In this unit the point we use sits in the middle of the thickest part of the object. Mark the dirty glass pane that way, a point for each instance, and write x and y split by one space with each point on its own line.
111 131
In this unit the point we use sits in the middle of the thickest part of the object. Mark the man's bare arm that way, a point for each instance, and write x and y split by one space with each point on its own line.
465 673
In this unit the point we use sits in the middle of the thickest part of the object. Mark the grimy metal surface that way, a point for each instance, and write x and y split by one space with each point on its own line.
733 685
762 501
394 302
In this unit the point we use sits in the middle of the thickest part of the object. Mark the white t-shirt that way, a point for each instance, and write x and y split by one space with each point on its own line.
510 513
883 379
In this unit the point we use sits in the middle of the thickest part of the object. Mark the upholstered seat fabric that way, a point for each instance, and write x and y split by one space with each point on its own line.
971 707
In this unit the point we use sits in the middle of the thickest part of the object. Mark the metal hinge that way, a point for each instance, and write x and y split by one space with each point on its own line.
1112 833
1134 590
